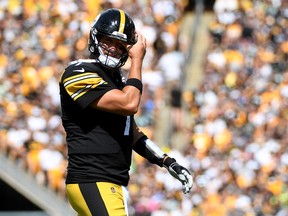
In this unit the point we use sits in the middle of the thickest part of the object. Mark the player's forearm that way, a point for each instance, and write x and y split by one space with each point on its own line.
137 53
134 86
133 90
149 150
136 68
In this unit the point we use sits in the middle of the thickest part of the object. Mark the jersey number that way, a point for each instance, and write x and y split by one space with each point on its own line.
127 126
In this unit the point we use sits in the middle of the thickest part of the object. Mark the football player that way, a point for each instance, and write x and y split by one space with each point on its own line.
98 107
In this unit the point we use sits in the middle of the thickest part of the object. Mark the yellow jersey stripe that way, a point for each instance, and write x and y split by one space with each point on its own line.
122 21
78 85
81 92
76 79
80 75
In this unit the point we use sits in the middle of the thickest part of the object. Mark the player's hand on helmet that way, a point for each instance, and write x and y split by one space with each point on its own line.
138 50
179 172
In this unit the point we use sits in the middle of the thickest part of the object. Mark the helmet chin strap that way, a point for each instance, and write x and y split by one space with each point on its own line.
107 60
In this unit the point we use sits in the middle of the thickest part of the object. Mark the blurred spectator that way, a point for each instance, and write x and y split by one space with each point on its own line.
238 111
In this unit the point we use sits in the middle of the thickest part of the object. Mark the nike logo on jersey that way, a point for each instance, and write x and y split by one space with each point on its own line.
81 70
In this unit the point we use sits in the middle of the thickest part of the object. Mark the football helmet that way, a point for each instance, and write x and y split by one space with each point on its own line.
116 24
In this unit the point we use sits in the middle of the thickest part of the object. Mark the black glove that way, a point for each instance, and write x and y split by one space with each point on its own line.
180 173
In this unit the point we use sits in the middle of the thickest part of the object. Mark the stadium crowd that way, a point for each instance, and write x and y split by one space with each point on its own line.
240 112
237 146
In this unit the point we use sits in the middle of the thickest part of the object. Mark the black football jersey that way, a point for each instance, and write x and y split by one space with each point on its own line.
99 142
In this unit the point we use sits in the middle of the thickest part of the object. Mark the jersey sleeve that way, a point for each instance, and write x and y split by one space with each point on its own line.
83 85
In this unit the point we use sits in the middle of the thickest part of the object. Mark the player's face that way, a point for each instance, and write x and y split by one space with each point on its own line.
112 47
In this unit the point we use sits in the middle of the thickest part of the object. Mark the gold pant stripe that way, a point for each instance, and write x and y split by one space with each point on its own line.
113 198
97 199
77 200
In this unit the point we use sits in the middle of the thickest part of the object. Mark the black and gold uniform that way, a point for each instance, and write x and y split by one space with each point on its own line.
99 142
105 137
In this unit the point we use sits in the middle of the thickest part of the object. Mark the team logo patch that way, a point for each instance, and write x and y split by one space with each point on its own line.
113 190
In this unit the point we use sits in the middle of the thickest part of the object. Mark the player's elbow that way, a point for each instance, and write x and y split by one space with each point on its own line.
131 108
131 104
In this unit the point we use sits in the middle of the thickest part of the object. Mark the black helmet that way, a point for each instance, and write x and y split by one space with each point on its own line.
113 23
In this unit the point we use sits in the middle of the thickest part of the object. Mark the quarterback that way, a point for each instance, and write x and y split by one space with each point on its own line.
98 106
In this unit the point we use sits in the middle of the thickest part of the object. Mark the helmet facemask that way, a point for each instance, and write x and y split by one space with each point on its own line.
106 57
